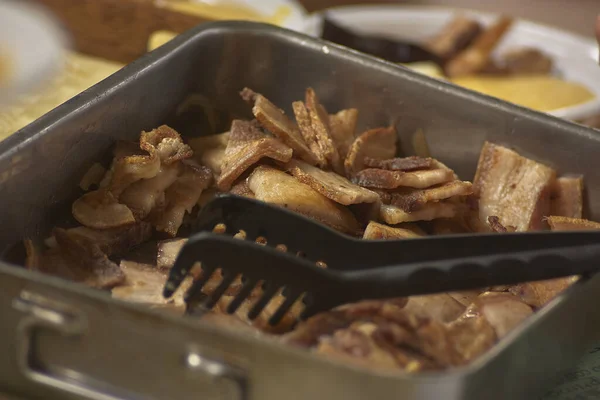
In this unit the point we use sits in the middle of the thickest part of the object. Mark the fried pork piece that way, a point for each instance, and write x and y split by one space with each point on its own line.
182 196
513 188
77 258
247 146
210 150
144 284
476 56
567 197
276 187
343 128
440 307
168 250
496 226
527 61
101 210
571 224
406 164
538 293
376 231
385 179
275 121
454 37
115 241
411 200
322 132
471 337
378 144
242 189
395 215
465 297
308 132
128 167
144 195
330 184
167 143
503 311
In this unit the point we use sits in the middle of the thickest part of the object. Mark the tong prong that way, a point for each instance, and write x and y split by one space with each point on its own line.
263 300
289 301
215 296
241 295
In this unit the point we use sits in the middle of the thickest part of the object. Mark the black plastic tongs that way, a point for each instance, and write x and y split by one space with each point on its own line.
360 269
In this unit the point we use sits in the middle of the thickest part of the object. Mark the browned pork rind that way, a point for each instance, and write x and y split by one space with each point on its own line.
406 164
395 215
242 189
567 197
276 187
114 241
538 293
330 184
378 143
343 129
411 200
101 210
167 143
275 121
513 188
182 196
210 151
377 231
386 179
247 145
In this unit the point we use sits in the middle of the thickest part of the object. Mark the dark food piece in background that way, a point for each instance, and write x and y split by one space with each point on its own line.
454 37
390 50
527 61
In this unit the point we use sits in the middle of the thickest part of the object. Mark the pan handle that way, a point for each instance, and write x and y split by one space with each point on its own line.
43 313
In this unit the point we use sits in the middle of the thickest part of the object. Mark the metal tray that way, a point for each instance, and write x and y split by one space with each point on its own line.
62 340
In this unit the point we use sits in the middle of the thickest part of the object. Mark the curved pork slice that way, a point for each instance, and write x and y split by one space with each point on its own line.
378 143
276 187
406 164
130 169
247 145
513 188
440 307
330 184
376 231
394 215
182 196
386 179
210 150
566 198
343 127
100 210
322 131
115 241
167 143
503 311
308 132
275 121
411 200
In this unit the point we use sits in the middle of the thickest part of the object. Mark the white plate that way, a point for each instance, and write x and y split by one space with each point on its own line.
575 57
31 43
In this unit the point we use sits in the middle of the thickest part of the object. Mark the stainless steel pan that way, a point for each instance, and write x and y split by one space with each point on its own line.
62 340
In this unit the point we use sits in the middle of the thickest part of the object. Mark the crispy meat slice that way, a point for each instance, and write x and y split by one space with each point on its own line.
376 231
242 189
78 258
476 56
496 226
567 197
538 293
144 283
330 184
385 179
168 250
394 215
167 143
527 61
100 210
130 169
454 37
343 128
115 241
182 196
321 129
378 144
571 224
503 311
308 132
275 121
513 188
406 164
142 196
440 307
247 145
411 200
276 187
471 337
210 150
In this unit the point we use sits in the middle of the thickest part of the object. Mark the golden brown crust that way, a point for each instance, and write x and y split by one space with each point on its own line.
566 198
308 132
411 200
394 215
377 231
412 163
385 179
